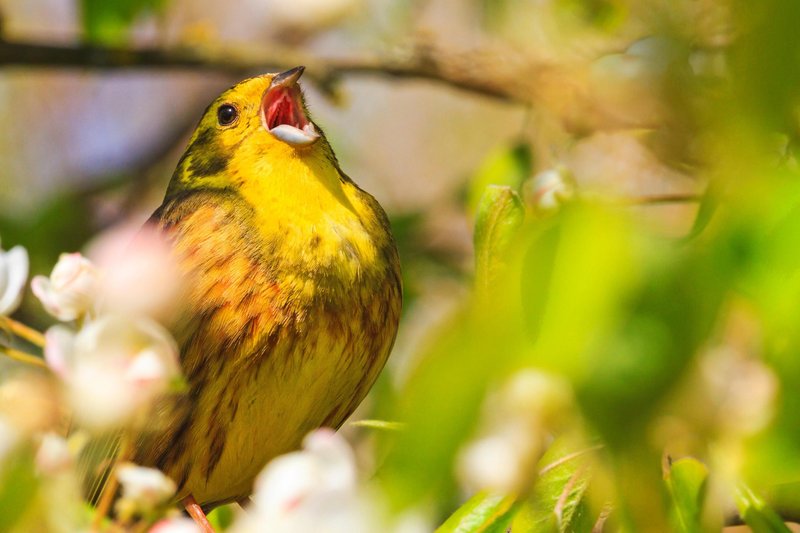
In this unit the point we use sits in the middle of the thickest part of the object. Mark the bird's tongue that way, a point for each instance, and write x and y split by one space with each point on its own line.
284 116
282 109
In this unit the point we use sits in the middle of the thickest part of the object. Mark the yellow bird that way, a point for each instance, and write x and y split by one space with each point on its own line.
293 291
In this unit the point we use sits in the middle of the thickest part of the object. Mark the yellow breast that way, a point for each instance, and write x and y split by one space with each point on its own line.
293 309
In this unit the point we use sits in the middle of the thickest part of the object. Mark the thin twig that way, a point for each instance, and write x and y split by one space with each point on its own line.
378 424
23 357
661 199
25 332
454 71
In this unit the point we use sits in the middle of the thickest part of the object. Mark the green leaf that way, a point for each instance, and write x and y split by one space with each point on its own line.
756 513
500 215
709 204
18 486
686 482
107 21
440 406
221 518
575 272
763 68
604 14
483 513
508 166
557 502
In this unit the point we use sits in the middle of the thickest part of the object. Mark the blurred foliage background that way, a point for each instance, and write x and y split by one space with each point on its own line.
597 204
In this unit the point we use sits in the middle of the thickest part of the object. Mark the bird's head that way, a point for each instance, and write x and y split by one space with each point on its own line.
256 129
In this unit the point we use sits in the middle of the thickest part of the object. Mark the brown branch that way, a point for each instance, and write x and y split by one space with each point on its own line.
461 72
661 199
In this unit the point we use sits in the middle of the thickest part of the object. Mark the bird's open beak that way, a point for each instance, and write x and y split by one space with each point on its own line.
282 111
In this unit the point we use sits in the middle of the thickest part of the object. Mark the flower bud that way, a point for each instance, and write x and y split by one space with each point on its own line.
549 190
69 293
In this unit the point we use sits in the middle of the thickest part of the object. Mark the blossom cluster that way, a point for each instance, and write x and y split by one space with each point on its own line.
108 359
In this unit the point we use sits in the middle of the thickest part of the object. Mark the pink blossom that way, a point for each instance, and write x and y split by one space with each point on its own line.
112 368
139 275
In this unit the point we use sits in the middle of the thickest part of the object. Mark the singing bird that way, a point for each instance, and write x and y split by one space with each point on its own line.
292 298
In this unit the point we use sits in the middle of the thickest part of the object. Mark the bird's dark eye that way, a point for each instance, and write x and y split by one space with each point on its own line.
227 114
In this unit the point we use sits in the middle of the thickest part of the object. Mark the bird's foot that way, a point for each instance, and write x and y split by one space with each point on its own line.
197 514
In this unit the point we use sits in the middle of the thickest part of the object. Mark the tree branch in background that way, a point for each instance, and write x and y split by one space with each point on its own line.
662 199
497 74
459 71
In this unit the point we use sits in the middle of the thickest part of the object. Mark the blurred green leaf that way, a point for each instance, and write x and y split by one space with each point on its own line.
18 485
483 513
440 404
658 332
757 514
705 210
499 217
765 236
605 14
686 482
557 503
766 64
221 517
107 22
492 12
576 271
508 166
444 393
784 498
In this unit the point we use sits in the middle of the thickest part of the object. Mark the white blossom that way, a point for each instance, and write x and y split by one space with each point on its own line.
502 460
143 489
314 489
112 367
53 455
743 390
514 432
175 525
70 291
13 275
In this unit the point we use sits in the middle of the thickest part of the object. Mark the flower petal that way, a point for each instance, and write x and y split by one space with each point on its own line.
58 349
16 264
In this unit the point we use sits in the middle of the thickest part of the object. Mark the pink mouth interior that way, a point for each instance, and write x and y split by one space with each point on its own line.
282 106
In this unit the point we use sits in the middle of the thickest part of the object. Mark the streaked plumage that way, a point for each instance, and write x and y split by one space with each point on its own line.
293 294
